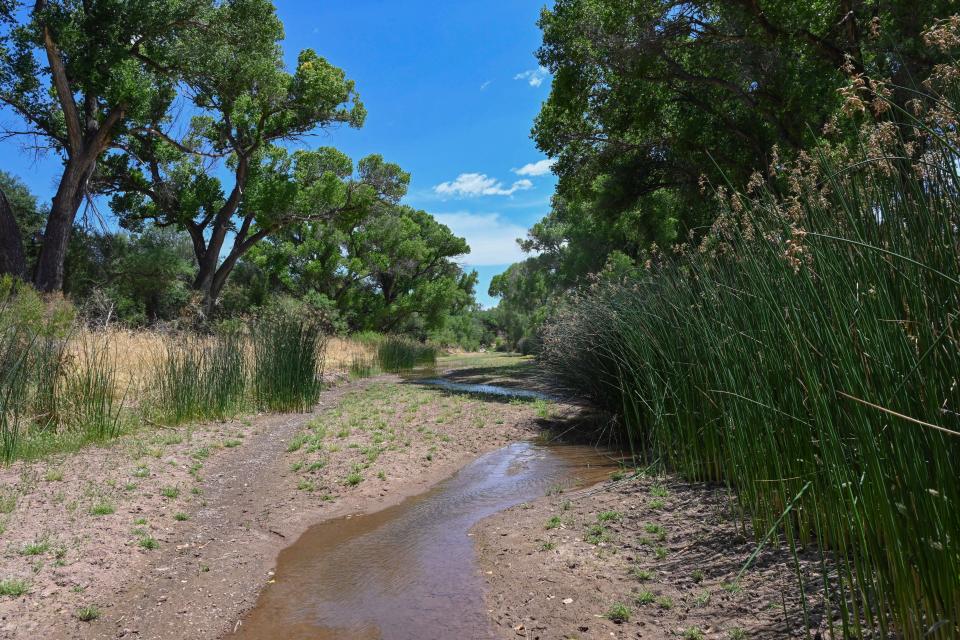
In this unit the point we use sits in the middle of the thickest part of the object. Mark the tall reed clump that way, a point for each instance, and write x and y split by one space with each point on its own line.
396 353
51 397
202 377
807 353
91 392
288 358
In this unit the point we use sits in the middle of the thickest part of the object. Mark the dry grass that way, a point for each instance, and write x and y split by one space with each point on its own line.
137 354
342 352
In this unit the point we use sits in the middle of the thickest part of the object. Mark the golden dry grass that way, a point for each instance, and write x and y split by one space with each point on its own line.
138 353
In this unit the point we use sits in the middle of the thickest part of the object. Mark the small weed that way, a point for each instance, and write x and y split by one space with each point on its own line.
610 516
552 523
53 475
693 633
645 597
181 517
596 534
13 587
660 552
555 489
665 602
148 542
196 491
229 444
298 441
618 612
316 466
697 576
140 521
657 503
141 472
35 548
305 485
732 587
737 634
88 613
641 574
102 509
702 599
382 475
618 475
8 502
296 466
201 454
548 546
566 506
659 491
353 479
543 408
170 492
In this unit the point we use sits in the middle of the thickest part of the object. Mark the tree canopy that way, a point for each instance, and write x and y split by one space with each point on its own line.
655 101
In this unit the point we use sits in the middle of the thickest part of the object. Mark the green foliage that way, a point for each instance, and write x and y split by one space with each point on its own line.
134 278
388 268
652 100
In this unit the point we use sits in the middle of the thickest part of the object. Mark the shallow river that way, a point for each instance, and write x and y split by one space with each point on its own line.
409 571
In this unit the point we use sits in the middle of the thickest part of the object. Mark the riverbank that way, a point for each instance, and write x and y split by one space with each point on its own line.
172 533
641 557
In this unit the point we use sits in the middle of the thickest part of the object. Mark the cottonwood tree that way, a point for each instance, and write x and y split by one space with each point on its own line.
80 76
650 95
405 260
389 269
247 107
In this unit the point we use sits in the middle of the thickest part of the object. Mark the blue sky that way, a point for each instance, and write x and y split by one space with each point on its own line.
451 89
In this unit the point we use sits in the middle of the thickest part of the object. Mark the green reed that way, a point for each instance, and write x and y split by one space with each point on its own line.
202 378
288 359
810 358
396 353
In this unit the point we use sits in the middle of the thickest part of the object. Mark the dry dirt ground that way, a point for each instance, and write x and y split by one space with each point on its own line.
667 552
171 533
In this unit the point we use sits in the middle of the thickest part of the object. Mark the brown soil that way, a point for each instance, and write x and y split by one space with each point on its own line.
246 498
683 550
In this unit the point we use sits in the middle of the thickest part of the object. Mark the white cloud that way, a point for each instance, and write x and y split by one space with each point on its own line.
479 184
492 240
534 77
534 169
486 84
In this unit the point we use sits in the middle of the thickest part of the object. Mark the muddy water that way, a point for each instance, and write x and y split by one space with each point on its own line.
484 389
408 572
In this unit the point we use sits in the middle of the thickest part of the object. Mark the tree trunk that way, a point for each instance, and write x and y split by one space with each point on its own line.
13 260
56 236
